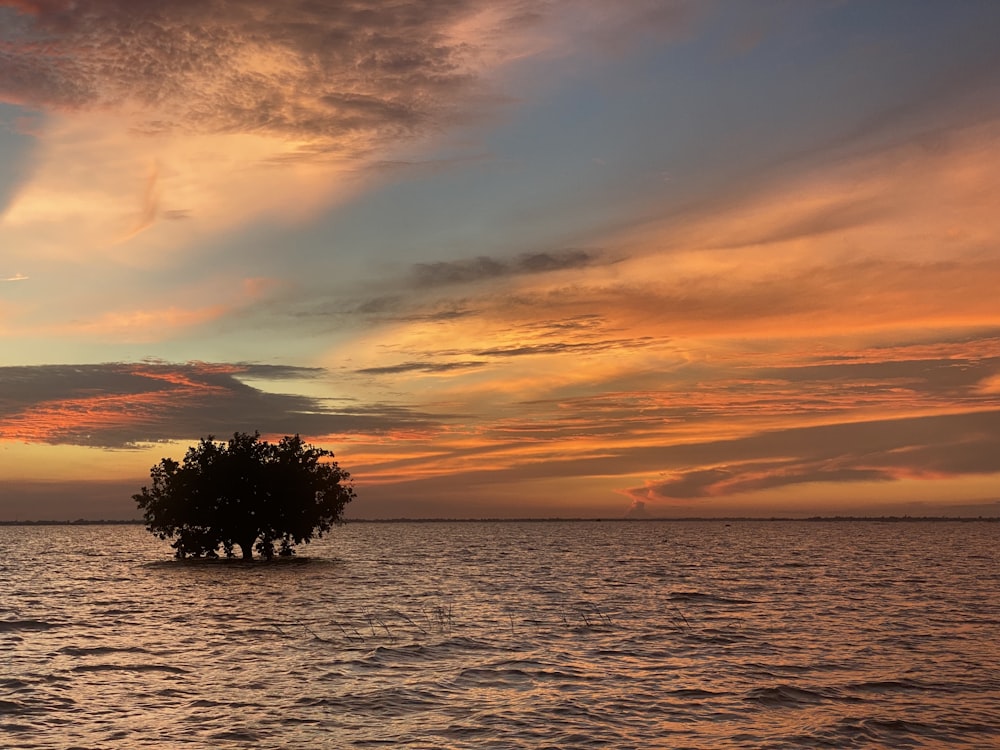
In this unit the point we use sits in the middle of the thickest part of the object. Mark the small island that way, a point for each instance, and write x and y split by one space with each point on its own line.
246 493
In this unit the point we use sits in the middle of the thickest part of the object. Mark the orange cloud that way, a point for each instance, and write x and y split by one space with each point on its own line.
92 181
76 419
158 401
147 325
143 321
136 400
245 114
887 246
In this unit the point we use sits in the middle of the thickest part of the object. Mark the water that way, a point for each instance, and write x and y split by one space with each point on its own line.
508 635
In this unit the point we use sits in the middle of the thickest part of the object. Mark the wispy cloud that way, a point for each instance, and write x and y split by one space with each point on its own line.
484 268
446 363
426 367
704 426
884 450
248 112
332 75
17 277
137 316
124 405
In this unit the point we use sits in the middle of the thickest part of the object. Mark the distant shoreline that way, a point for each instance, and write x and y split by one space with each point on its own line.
686 519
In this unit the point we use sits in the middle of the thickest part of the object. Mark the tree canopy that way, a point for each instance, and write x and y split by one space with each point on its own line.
247 493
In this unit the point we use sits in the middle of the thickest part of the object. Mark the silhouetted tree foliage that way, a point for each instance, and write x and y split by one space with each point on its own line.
245 493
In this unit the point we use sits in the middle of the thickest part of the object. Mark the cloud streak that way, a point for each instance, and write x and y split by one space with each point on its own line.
424 367
483 268
126 405
707 432
886 450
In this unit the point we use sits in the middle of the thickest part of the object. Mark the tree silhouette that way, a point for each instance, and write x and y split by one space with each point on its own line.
246 493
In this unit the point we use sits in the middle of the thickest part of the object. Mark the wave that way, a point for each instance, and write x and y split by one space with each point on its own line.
14 707
11 626
208 703
903 685
887 732
700 596
129 668
101 650
785 695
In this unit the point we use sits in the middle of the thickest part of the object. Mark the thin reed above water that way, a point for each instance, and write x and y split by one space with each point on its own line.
508 635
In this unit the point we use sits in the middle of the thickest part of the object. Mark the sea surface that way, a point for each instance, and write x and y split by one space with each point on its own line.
508 635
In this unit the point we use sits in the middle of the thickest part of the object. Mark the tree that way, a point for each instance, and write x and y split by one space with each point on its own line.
246 493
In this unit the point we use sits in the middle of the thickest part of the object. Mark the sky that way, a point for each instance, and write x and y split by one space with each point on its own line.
506 259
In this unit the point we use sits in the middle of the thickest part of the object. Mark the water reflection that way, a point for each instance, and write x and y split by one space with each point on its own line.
508 635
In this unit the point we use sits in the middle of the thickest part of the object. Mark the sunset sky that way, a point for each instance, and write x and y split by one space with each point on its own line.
506 259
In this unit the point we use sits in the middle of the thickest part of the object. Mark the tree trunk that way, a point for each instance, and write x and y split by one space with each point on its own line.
247 548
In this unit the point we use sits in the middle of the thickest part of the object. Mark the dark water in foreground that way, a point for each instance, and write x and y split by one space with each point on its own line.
509 635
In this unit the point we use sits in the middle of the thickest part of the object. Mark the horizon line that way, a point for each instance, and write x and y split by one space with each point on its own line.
547 519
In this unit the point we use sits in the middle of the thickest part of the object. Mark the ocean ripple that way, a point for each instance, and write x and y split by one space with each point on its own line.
508 635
